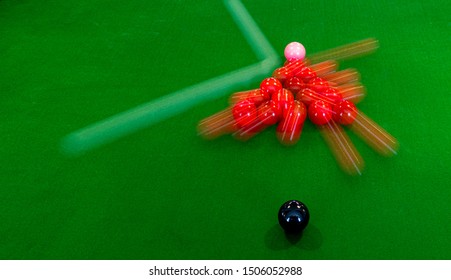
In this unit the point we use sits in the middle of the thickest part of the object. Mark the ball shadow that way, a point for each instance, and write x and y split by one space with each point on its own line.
276 239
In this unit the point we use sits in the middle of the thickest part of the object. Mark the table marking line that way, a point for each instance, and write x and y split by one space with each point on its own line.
147 114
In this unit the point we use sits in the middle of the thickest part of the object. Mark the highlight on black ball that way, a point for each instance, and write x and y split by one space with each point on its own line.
293 216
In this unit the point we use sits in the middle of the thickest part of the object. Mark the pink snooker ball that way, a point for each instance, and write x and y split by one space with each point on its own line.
294 51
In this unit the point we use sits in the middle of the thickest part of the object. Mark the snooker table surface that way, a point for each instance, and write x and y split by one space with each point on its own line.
164 192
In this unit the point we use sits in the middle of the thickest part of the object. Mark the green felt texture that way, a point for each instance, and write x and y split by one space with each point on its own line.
163 192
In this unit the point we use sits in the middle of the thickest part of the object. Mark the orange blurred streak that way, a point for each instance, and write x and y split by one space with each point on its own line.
217 125
342 148
240 96
343 76
324 67
249 131
374 135
352 50
354 92
289 129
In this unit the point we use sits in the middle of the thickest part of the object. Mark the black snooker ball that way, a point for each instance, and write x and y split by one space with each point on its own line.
293 216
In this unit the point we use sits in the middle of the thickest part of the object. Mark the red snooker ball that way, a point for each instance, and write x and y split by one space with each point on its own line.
345 112
318 84
290 127
269 86
306 96
331 94
305 74
320 112
244 112
268 113
294 84
283 99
